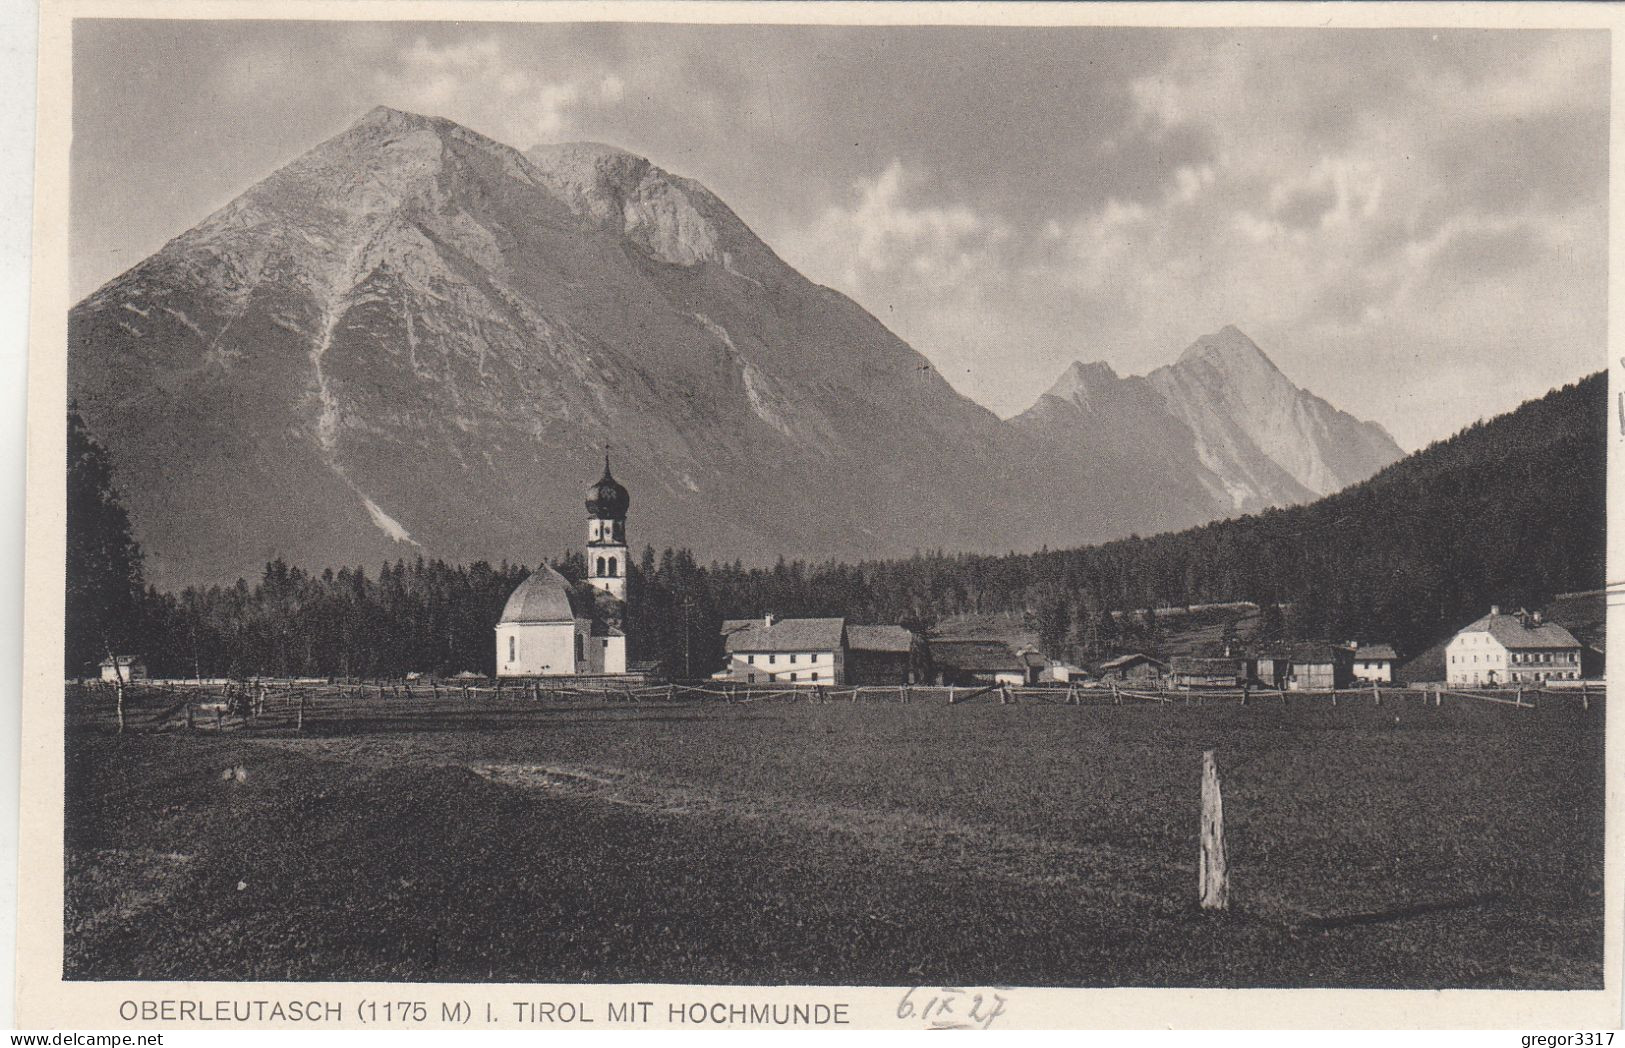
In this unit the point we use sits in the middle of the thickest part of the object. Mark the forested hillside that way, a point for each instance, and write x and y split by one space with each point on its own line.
1509 511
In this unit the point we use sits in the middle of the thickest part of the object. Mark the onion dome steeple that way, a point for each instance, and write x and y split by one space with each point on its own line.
607 500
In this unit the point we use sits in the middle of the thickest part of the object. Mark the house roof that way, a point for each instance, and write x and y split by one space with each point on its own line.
1376 651
980 656
783 635
1123 661
122 660
1191 664
880 638
1513 631
1316 652
544 596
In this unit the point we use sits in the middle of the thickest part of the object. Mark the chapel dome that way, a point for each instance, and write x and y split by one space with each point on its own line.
607 499
543 597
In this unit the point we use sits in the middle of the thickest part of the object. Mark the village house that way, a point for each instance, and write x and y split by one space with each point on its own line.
1135 667
124 668
1188 672
785 651
1374 662
972 662
1511 649
1320 666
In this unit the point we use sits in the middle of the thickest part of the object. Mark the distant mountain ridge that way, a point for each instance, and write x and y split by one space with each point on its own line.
413 339
1224 417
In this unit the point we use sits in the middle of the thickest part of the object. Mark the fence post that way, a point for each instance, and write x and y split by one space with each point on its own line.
1376 692
1213 877
299 724
1117 700
1585 696
951 697
118 699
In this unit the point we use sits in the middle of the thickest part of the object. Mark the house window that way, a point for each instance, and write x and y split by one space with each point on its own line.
612 567
750 678
513 643
600 566
772 660
815 675
792 659
751 659
792 677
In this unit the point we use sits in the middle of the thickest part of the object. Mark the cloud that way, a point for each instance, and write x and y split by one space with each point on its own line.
887 232
477 81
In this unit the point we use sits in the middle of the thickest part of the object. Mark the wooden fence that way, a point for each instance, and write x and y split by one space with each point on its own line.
285 704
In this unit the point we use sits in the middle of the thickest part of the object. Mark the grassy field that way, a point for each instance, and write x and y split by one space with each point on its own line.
872 844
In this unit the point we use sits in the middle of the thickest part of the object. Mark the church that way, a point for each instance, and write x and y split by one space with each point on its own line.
546 630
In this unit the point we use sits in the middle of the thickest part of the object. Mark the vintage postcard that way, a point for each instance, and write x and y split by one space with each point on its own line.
705 515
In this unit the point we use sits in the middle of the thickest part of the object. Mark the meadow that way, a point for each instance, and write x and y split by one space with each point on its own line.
489 839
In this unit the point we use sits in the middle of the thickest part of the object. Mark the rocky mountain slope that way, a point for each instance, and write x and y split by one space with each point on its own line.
414 339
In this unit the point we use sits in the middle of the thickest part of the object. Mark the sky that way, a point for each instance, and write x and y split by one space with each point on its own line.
1411 223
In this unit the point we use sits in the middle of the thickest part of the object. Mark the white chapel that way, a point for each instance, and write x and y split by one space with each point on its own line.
545 631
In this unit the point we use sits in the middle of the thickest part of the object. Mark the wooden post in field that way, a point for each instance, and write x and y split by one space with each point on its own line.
118 699
1376 693
1213 877
299 723
1585 696
952 698
1117 700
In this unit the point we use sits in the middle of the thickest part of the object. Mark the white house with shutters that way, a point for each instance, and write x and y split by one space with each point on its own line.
785 651
1374 662
1511 649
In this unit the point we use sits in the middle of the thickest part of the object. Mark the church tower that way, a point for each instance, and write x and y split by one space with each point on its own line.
606 535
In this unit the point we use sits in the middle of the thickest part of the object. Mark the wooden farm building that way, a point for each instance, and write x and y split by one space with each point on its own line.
1135 667
885 655
1193 671
985 662
1320 666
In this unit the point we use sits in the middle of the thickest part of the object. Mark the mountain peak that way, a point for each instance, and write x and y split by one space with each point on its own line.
1081 382
1229 350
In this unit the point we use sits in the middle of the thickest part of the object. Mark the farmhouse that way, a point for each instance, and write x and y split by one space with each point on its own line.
785 651
545 630
1319 666
985 662
1503 649
1190 671
1135 667
885 655
1374 662
124 668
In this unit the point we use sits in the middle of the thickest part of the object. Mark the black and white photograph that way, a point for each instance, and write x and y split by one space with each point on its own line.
933 506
